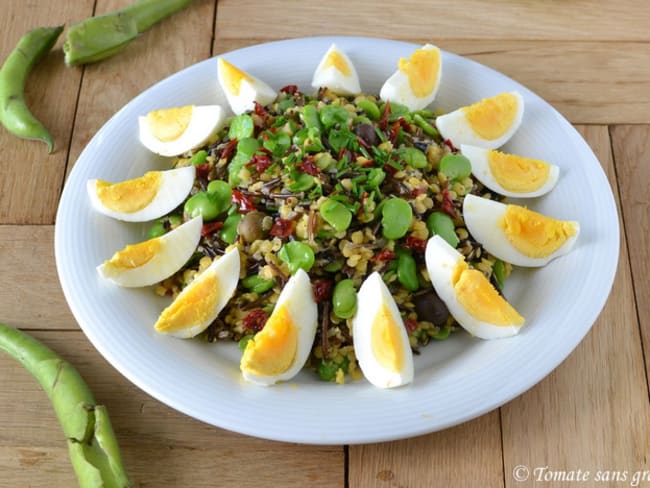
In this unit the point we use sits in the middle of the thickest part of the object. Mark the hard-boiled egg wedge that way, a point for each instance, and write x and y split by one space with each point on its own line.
417 79
381 343
489 123
470 297
279 351
336 72
142 199
200 302
174 131
518 235
242 89
509 174
151 261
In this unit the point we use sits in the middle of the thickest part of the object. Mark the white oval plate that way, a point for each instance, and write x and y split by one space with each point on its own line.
455 380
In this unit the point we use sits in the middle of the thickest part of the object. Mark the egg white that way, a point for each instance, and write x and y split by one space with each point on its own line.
478 156
397 87
249 91
334 79
297 296
482 217
177 246
372 295
441 260
206 121
226 269
455 127
174 187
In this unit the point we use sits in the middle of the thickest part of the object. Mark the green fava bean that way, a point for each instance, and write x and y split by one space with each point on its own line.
442 224
202 203
369 108
396 216
221 194
241 126
344 299
199 158
336 214
228 233
407 272
157 229
297 255
310 117
414 157
257 284
455 166
330 115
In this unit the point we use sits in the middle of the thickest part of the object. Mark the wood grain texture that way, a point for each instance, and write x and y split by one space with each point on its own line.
437 19
631 145
592 412
572 77
31 178
32 297
161 447
473 449
173 44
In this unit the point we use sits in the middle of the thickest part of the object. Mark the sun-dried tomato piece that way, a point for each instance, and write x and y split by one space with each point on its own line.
393 132
448 204
260 110
244 202
411 325
202 170
308 166
383 255
290 89
210 227
262 162
450 145
282 228
383 121
255 320
228 151
416 244
322 289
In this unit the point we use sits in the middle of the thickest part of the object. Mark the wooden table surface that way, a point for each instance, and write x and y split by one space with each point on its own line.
590 59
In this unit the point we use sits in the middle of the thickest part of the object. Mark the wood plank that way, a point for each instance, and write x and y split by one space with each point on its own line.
457 457
32 297
592 412
160 446
175 43
31 179
570 76
631 145
506 19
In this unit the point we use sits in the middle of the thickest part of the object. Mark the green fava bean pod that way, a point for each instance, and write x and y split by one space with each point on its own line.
344 299
92 446
396 216
15 116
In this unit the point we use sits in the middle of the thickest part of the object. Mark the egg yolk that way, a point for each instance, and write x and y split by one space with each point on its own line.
131 195
233 76
492 117
273 350
386 340
422 70
169 124
192 307
481 300
337 60
534 234
518 174
135 255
